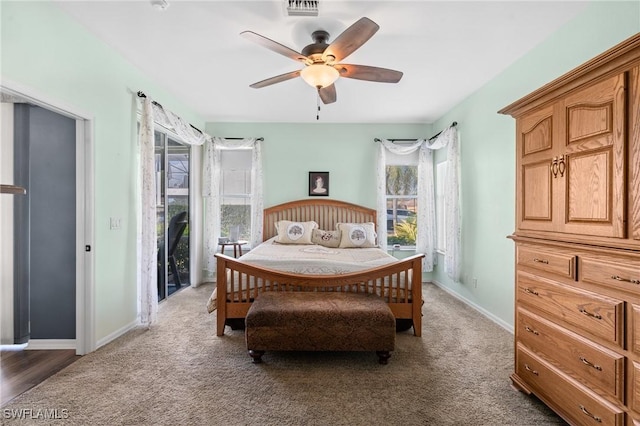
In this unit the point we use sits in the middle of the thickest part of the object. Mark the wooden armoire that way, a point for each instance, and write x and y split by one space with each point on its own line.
577 237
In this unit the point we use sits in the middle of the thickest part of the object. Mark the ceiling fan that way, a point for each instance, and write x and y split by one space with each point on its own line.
322 60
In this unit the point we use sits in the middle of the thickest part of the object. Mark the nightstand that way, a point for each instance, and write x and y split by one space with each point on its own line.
237 247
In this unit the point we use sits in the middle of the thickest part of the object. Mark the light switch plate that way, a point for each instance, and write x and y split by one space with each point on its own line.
115 223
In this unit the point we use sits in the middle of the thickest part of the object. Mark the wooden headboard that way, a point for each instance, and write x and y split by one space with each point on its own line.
325 212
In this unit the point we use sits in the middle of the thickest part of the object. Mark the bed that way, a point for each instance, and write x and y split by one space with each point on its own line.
308 266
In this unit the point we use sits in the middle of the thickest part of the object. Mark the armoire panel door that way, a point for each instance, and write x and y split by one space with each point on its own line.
593 159
535 152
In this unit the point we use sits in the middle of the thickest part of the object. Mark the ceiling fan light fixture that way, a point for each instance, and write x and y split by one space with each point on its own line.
319 75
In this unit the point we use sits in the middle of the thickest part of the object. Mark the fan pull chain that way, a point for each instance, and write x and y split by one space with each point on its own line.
318 103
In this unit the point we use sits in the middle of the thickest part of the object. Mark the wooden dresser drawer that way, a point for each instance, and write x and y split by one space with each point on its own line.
546 260
598 315
585 361
625 276
569 398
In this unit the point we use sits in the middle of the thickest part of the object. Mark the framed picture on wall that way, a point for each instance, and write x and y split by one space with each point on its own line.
318 184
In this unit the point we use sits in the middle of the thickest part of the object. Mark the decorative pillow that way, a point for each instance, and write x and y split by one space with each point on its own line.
326 238
357 234
294 232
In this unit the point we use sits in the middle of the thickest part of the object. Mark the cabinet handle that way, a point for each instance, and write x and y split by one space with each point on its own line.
629 280
561 165
531 330
590 364
545 261
554 167
589 314
526 366
528 290
585 411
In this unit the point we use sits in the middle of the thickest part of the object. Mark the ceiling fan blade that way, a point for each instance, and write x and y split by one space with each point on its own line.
273 45
328 94
350 40
365 72
277 79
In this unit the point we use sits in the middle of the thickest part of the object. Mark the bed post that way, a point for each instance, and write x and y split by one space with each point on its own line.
416 297
221 298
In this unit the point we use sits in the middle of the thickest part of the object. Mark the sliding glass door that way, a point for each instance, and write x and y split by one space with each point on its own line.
172 213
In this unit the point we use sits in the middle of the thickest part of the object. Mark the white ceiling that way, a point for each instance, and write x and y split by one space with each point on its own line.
446 49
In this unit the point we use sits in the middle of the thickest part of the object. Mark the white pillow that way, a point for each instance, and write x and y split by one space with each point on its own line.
357 235
326 238
294 232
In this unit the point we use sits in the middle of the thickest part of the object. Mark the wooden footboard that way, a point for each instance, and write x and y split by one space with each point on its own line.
239 283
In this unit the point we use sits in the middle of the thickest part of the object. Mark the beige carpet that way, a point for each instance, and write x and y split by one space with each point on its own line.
181 373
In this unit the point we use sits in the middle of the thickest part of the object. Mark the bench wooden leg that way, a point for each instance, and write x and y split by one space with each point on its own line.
383 357
256 355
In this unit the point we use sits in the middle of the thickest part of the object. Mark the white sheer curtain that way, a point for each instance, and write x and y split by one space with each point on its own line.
151 114
184 130
211 194
426 235
453 254
147 244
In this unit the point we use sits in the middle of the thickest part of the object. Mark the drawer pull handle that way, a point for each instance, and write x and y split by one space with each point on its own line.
586 362
585 411
589 314
619 278
545 261
528 290
531 330
526 366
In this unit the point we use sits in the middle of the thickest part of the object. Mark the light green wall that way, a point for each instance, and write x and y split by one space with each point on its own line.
346 151
488 151
46 51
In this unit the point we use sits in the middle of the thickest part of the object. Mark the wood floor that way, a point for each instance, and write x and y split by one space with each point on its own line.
22 370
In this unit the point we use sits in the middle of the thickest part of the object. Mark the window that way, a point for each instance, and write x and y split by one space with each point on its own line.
402 194
441 173
235 187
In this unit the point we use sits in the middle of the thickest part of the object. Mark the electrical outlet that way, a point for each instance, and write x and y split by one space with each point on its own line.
475 282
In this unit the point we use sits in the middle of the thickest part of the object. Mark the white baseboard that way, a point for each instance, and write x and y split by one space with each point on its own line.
50 344
113 336
13 347
483 311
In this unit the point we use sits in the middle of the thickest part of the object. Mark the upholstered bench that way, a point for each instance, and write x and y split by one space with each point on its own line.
319 321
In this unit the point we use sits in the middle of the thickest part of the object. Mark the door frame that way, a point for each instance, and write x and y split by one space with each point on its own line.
85 340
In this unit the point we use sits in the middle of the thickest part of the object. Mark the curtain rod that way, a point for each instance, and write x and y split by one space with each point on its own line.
238 139
142 95
455 123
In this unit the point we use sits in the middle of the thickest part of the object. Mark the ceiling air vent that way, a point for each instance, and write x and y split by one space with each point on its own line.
302 7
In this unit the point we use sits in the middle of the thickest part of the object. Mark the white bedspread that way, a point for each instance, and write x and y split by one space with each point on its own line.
311 259
316 259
